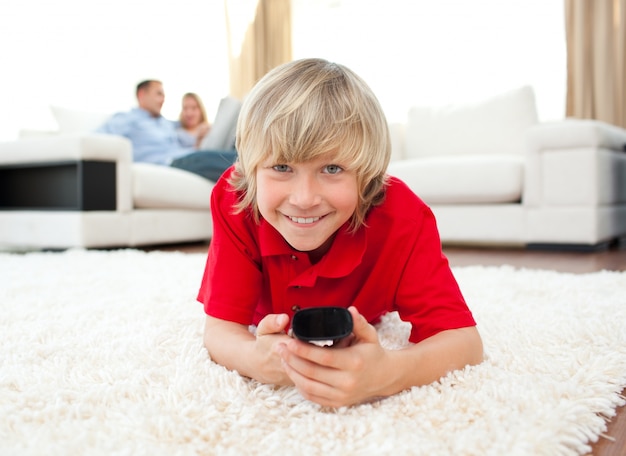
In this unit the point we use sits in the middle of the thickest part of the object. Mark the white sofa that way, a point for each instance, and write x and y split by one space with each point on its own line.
74 188
83 190
491 172
494 175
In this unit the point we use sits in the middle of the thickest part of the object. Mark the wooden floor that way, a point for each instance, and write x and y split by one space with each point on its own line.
613 258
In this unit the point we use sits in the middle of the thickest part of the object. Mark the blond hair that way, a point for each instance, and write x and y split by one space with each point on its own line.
305 109
198 100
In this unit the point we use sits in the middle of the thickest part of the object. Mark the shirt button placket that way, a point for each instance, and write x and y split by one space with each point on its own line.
295 307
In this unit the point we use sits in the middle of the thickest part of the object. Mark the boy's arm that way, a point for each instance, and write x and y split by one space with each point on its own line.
234 347
365 370
433 358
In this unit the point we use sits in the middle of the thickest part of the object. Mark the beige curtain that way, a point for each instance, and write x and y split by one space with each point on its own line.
596 64
259 39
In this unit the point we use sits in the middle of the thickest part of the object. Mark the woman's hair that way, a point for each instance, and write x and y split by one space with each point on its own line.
198 100
308 108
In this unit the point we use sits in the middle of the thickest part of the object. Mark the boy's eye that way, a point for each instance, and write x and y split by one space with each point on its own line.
333 169
281 168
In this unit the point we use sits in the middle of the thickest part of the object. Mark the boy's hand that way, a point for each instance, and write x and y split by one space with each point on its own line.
338 377
270 332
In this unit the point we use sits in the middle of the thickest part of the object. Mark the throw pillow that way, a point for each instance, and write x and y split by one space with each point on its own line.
494 126
222 133
75 121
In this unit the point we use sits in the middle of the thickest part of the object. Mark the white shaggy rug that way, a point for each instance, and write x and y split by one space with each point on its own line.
101 353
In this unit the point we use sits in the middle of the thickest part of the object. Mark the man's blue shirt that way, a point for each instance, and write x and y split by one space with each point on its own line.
154 139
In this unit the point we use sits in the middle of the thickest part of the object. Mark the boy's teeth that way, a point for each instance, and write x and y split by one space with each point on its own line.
304 220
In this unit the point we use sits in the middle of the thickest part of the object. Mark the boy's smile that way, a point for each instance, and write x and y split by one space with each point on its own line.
304 219
307 202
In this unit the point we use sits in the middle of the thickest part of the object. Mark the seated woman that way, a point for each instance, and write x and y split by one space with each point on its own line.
192 124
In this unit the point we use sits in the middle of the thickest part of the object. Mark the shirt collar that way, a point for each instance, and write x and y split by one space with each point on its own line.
142 112
344 255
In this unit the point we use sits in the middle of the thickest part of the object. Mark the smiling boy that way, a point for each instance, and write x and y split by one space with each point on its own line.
308 217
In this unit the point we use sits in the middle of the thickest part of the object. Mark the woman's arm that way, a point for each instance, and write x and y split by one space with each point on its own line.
234 347
201 132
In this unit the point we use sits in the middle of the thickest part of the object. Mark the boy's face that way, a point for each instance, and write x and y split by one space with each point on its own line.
306 202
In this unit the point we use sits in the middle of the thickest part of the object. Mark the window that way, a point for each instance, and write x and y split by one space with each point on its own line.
89 55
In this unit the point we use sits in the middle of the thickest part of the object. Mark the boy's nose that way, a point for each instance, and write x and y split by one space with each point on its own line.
305 193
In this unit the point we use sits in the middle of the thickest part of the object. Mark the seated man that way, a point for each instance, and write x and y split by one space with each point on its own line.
155 139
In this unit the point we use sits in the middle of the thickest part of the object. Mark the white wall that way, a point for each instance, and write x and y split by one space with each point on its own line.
436 52
90 54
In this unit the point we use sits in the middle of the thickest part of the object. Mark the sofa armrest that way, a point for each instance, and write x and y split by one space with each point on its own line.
575 163
79 148
575 133
92 146
26 133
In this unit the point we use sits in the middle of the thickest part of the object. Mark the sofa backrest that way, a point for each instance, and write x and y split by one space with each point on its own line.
494 126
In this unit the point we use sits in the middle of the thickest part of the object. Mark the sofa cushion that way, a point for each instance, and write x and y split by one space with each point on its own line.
494 126
162 187
75 121
481 179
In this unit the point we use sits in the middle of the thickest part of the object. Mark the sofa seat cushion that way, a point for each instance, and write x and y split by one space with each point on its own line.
476 179
162 187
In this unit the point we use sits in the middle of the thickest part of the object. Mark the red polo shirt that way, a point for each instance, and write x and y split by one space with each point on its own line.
395 263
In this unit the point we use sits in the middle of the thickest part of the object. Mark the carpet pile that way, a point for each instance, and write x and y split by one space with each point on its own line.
102 353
